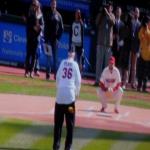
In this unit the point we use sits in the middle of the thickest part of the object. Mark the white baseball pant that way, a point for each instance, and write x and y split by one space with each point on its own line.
116 95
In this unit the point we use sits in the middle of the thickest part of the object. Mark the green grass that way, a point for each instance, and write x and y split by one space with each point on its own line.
46 142
144 145
11 127
85 138
103 140
27 86
109 140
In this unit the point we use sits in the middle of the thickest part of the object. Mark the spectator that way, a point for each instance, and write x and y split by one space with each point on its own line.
35 25
134 30
76 36
118 35
124 58
143 67
53 31
37 57
110 85
105 21
68 82
4 7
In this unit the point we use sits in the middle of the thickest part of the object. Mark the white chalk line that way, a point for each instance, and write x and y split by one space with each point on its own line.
143 123
121 116
90 113
86 113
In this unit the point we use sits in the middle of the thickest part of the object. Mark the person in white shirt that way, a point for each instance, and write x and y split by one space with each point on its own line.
68 82
76 37
110 85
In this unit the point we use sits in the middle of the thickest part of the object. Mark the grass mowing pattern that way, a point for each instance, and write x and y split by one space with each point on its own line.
39 136
28 136
46 142
83 136
103 141
144 145
108 140
128 142
9 128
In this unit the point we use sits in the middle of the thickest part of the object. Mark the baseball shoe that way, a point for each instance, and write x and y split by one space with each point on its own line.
139 89
31 75
116 111
102 109
95 84
133 86
54 76
26 75
37 73
47 76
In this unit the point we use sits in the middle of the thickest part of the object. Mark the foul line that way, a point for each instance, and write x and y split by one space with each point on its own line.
120 116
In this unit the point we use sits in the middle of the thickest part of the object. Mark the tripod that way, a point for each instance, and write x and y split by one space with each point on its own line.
84 60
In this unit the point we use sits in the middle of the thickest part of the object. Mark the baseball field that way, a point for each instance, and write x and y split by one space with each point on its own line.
26 117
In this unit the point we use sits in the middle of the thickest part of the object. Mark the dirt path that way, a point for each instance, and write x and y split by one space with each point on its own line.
41 108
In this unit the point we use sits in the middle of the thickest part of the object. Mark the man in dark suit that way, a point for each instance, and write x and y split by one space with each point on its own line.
134 30
53 32
118 35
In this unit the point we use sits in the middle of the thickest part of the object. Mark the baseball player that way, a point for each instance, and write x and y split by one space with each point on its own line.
68 82
110 85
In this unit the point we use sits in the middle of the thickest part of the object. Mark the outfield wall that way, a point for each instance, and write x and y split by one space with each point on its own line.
13 45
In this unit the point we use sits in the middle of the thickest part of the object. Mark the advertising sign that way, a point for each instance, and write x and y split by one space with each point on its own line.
13 42
13 45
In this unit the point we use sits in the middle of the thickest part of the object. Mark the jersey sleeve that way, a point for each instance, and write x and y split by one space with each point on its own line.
77 79
58 75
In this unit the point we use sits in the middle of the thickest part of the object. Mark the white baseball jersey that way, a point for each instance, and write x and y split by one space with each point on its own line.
110 79
68 81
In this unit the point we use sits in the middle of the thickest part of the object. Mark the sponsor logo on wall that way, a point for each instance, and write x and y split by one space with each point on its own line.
7 36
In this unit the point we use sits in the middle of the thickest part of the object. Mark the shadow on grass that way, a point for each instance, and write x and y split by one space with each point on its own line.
7 148
79 133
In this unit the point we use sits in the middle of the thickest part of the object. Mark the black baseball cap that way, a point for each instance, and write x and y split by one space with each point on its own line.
71 49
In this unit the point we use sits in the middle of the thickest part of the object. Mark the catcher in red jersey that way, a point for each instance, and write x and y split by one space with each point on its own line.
110 86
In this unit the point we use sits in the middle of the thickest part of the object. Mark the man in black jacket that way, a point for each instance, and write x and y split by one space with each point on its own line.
53 31
35 25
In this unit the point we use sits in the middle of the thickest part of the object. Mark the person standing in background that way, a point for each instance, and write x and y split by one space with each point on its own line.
76 37
135 43
143 65
105 22
124 58
35 25
37 57
68 83
52 33
118 35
